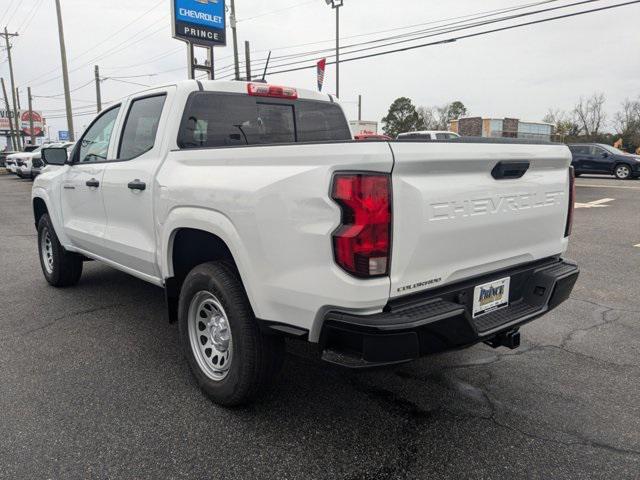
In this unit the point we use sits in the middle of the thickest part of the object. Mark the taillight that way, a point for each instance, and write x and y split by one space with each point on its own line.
572 201
362 243
265 90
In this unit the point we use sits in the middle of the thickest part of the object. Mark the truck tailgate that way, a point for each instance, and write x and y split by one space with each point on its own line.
453 220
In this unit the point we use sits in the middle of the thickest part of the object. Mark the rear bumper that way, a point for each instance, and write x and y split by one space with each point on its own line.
441 319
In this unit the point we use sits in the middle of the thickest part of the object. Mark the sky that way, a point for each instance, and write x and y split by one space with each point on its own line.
519 73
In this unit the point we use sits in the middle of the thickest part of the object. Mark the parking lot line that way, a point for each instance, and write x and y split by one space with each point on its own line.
608 186
638 245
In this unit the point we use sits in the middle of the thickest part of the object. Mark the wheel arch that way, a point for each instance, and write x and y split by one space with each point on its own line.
39 209
193 236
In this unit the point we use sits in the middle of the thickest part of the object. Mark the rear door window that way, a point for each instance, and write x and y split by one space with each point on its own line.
141 126
221 120
581 149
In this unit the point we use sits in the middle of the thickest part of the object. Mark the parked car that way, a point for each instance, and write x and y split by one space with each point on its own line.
428 135
38 164
3 157
11 162
24 162
254 209
30 148
600 158
371 136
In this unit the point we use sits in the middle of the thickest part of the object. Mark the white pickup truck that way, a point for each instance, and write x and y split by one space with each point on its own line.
251 205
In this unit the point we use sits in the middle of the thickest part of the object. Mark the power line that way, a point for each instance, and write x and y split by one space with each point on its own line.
117 48
62 94
115 79
13 14
30 16
420 34
276 11
471 35
7 11
111 36
276 60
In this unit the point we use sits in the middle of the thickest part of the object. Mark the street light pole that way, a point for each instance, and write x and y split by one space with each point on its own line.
336 4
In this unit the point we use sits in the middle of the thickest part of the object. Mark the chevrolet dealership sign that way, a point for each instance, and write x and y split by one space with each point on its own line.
201 22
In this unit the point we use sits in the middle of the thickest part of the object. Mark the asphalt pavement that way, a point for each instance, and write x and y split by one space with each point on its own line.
93 385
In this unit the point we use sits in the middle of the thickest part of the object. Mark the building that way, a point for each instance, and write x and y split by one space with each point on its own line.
363 127
501 128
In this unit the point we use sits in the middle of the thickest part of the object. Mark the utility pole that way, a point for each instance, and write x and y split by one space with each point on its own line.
247 59
65 73
236 60
359 107
18 98
336 4
33 135
98 94
338 51
8 108
13 87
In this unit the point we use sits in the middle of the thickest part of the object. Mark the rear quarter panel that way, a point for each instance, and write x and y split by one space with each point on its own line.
271 205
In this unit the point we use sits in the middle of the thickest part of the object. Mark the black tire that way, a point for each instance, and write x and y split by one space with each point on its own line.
619 168
256 357
64 268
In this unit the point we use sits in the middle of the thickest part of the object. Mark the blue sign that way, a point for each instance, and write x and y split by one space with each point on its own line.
63 135
201 22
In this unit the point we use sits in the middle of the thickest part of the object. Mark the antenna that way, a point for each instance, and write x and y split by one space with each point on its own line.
264 74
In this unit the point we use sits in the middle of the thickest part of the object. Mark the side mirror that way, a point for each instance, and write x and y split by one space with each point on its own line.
604 154
54 156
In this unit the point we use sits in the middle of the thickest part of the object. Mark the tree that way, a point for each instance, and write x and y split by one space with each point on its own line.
590 114
446 113
402 117
565 123
627 124
427 118
457 110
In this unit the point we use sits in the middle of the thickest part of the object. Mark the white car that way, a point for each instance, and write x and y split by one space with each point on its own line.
258 214
25 163
11 162
428 135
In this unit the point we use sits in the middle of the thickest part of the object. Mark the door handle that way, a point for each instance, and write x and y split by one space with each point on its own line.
510 169
93 183
137 185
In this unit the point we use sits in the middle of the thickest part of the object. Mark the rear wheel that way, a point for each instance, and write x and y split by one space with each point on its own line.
622 171
60 267
231 359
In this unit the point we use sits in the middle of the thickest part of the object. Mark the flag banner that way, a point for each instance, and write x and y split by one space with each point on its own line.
321 66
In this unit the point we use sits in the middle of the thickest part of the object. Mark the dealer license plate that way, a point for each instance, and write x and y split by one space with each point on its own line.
491 296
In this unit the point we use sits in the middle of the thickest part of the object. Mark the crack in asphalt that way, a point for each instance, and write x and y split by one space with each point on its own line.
476 393
609 307
563 345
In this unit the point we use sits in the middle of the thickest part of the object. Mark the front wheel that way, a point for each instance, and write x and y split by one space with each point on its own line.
231 359
622 171
60 267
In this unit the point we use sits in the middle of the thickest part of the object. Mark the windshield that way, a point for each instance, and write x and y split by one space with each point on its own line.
613 149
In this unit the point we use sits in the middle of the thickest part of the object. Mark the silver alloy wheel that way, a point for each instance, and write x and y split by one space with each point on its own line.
210 335
46 250
622 171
